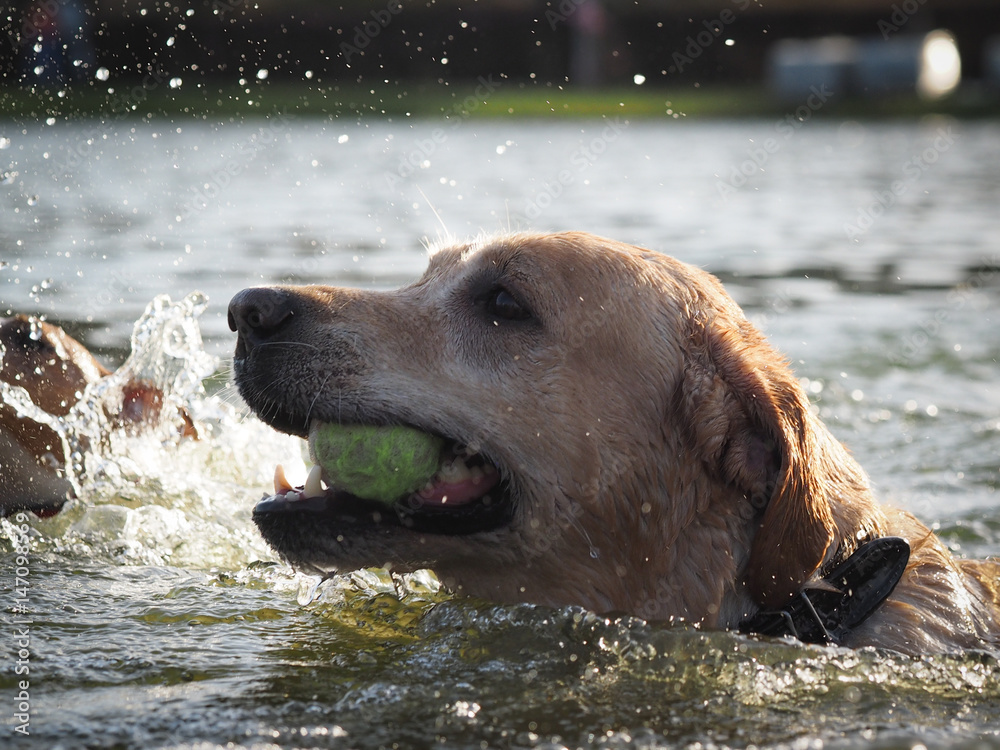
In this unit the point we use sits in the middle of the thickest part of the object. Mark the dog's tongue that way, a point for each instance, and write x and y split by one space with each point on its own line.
446 495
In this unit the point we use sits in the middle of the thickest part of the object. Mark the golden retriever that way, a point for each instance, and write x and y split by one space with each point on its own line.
54 369
625 440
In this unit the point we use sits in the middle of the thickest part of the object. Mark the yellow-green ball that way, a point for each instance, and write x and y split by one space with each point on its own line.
375 463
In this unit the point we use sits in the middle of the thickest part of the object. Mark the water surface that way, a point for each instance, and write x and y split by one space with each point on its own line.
161 620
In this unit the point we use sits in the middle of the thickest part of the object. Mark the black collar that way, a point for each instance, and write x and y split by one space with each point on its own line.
842 600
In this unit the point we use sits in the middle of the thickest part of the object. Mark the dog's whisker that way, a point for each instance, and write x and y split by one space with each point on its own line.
594 551
319 392
446 235
303 344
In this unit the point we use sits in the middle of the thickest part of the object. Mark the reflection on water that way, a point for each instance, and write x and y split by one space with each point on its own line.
158 616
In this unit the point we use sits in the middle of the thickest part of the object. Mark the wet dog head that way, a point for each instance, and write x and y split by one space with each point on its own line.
54 369
52 366
631 430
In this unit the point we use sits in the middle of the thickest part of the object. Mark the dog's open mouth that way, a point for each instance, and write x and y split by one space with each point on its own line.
467 494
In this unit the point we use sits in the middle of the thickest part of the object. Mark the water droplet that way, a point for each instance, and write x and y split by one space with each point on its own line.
170 42
33 200
102 74
308 589
638 79
262 74
175 83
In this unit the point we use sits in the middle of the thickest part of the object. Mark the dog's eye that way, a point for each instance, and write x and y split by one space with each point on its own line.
503 304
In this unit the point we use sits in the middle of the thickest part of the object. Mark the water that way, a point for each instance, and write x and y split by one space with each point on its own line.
161 620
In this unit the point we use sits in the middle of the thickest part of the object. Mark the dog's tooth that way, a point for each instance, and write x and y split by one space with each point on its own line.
447 470
314 485
454 471
281 483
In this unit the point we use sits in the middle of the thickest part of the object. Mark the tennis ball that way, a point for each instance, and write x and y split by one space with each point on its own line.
375 463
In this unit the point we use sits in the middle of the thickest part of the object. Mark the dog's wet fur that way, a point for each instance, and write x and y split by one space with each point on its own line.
657 456
54 369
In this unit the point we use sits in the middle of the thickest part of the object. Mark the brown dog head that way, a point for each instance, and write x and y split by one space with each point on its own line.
54 369
654 453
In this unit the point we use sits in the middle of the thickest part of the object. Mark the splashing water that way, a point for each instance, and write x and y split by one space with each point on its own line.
160 468
167 356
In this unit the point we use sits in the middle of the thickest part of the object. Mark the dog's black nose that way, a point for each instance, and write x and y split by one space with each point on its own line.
258 314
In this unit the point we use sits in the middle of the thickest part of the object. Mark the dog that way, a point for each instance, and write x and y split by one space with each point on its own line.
54 369
641 449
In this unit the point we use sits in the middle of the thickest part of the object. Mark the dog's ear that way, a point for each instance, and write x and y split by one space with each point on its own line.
751 424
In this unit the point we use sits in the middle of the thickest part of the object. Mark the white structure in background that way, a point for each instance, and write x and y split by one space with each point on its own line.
927 65
941 69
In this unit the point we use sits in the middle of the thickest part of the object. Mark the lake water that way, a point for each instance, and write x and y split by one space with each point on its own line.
868 252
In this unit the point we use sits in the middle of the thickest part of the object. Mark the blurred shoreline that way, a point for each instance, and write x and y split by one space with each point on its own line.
489 99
